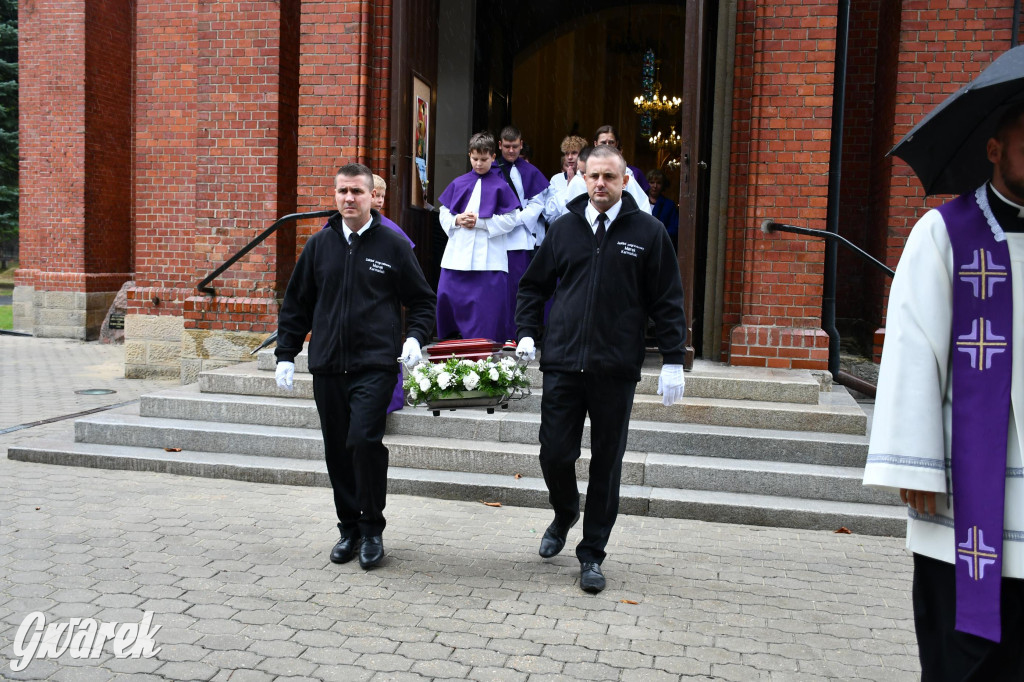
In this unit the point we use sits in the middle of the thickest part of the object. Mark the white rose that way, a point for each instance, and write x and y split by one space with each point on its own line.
424 385
413 393
493 374
471 381
444 380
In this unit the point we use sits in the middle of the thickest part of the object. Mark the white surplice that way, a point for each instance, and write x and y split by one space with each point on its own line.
529 230
910 432
480 248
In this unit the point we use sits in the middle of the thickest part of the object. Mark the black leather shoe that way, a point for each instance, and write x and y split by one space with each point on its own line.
371 551
554 537
591 578
345 550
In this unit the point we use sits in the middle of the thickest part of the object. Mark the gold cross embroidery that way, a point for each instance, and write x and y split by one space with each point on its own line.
983 274
981 343
975 554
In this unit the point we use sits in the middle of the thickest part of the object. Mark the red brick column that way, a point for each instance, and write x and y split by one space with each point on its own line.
75 129
216 160
943 45
782 107
344 96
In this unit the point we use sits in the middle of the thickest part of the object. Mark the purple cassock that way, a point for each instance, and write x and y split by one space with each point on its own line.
474 303
398 395
982 372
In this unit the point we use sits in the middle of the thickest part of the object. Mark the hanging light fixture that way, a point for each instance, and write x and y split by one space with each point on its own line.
651 102
670 141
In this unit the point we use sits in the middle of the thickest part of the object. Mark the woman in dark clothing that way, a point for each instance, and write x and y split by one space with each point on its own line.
663 208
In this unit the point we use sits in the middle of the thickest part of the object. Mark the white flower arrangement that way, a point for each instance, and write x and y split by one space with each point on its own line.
429 381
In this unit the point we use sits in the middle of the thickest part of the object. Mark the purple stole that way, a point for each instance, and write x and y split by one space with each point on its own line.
496 197
982 357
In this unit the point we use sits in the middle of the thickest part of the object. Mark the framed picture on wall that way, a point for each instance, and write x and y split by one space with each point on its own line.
420 141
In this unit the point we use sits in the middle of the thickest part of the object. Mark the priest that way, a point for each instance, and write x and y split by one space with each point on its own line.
946 433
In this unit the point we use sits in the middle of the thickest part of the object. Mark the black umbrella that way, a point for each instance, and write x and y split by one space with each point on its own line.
947 147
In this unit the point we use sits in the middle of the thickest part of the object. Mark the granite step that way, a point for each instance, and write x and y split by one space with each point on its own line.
189 403
126 427
835 412
707 380
727 507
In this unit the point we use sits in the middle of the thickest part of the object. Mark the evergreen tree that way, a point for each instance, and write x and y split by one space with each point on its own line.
8 121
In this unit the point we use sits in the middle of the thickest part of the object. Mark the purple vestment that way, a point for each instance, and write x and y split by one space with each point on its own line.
496 197
982 371
473 304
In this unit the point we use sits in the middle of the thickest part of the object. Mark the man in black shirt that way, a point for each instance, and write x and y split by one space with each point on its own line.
610 267
348 288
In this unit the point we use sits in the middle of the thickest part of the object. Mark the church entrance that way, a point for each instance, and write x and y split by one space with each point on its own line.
566 68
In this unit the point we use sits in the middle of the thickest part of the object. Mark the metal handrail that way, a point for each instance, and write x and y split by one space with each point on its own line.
770 226
204 286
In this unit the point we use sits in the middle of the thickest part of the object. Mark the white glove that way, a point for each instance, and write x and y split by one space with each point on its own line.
411 354
285 374
670 384
525 348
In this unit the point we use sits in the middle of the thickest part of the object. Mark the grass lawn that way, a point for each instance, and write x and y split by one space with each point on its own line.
7 276
6 287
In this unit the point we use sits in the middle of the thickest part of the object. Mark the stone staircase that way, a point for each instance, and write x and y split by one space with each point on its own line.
749 446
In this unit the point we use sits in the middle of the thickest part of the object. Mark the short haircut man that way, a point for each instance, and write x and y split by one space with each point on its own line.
609 267
354 275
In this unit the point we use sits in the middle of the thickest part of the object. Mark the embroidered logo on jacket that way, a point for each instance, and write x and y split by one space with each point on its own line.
629 249
378 265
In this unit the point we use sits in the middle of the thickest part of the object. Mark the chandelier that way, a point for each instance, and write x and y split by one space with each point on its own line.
655 105
651 103
670 141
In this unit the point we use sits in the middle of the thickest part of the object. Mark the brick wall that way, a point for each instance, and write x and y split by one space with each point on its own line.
51 61
75 141
165 156
344 85
782 106
942 46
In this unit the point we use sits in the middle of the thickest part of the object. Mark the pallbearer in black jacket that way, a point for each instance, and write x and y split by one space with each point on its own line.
348 287
610 267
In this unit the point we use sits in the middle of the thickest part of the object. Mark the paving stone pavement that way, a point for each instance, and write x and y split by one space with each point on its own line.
237 577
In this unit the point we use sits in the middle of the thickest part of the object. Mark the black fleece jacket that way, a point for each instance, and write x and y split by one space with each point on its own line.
603 296
351 298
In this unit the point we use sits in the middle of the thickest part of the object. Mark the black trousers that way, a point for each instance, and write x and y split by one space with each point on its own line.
353 413
951 656
568 398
